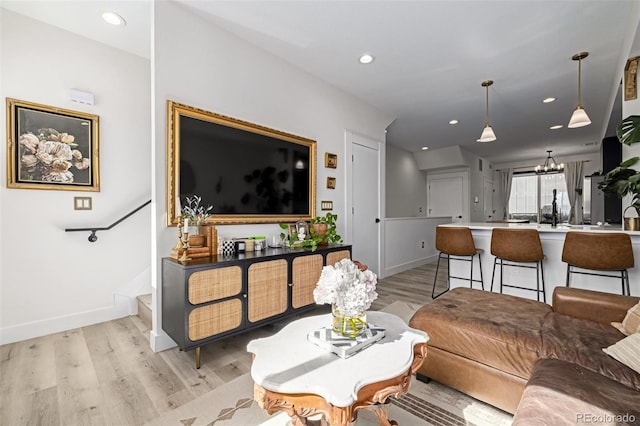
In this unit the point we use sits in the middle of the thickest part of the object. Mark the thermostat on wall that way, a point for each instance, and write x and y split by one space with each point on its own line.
81 97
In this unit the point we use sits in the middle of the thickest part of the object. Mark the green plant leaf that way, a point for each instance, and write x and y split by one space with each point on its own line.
628 130
630 162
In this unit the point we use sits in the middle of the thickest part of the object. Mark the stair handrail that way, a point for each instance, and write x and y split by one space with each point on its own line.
93 237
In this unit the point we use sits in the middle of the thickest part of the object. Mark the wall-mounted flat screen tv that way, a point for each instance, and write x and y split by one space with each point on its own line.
249 173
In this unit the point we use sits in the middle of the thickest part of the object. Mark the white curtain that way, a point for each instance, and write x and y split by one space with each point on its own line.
507 177
573 178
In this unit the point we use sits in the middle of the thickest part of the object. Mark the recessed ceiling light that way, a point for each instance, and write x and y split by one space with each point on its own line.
557 126
453 122
114 19
424 148
366 58
548 100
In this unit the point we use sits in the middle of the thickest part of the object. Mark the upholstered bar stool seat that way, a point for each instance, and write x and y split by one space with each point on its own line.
607 252
519 248
456 243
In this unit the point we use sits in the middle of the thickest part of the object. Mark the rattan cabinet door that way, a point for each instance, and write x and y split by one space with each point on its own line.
305 272
209 320
214 284
267 289
336 256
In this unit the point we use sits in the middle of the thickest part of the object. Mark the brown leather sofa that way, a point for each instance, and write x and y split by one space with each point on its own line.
490 345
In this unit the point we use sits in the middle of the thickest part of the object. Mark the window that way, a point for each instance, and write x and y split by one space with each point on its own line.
532 195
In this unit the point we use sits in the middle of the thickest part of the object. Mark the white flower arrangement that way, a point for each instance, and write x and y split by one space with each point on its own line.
346 286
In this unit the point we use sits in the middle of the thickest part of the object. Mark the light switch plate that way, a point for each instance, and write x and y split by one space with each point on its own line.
82 203
326 205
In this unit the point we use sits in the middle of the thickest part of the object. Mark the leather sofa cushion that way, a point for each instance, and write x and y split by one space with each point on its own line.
561 393
501 331
581 342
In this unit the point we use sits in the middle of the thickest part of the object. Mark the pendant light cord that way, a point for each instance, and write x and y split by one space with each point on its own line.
487 109
579 83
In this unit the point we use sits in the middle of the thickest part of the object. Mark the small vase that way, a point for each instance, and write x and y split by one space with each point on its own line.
347 326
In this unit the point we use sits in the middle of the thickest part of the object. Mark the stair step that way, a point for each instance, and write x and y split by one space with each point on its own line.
144 309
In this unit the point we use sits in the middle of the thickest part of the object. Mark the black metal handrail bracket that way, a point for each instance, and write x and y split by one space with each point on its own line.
93 237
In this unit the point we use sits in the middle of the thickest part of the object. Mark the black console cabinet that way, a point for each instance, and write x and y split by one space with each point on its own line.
204 300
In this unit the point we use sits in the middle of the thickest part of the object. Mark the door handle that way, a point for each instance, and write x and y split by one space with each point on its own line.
377 220
459 217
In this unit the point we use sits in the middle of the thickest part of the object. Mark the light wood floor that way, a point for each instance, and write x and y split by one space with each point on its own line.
106 374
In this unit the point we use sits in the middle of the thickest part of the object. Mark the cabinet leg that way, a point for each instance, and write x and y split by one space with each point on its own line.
198 357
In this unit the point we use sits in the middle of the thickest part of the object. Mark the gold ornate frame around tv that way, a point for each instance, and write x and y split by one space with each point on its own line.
203 159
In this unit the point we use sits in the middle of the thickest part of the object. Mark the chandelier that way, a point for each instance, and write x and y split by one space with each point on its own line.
550 166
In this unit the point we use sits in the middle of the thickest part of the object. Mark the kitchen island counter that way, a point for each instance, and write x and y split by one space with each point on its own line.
555 270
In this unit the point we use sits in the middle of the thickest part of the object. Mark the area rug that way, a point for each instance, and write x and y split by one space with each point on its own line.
425 404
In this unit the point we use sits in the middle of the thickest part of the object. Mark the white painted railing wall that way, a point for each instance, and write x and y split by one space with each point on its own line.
404 238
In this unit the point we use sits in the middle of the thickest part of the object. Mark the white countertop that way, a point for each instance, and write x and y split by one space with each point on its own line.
288 363
544 227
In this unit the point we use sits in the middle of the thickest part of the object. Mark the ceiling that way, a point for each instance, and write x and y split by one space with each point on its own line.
430 60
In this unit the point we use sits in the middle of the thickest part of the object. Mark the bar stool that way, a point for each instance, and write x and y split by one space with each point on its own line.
601 251
457 242
517 246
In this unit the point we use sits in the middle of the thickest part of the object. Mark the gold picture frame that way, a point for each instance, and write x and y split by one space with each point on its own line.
330 160
631 79
331 183
180 167
51 148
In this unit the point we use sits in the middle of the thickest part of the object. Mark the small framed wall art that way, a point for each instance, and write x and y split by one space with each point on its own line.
331 183
330 160
51 148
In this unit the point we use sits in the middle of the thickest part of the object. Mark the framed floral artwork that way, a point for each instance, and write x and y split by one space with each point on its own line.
51 148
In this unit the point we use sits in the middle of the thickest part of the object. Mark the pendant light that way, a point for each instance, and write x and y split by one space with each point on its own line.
487 133
550 166
579 118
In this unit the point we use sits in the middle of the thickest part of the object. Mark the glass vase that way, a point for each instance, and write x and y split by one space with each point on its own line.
348 326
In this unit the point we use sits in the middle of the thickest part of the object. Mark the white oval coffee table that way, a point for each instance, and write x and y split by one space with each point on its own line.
292 374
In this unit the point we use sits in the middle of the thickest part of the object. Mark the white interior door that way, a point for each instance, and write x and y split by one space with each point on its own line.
489 212
365 193
445 197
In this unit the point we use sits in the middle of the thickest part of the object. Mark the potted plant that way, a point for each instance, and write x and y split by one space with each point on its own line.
623 180
323 230
197 215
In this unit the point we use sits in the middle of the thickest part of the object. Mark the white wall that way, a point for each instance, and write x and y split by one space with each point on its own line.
411 242
52 280
200 65
406 184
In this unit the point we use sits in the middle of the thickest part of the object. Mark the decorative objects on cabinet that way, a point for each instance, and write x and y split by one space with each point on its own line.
208 299
208 247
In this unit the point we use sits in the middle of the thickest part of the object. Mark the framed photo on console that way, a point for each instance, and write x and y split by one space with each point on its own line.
51 148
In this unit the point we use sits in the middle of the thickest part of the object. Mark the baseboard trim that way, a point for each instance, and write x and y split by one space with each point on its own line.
409 265
16 333
161 341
